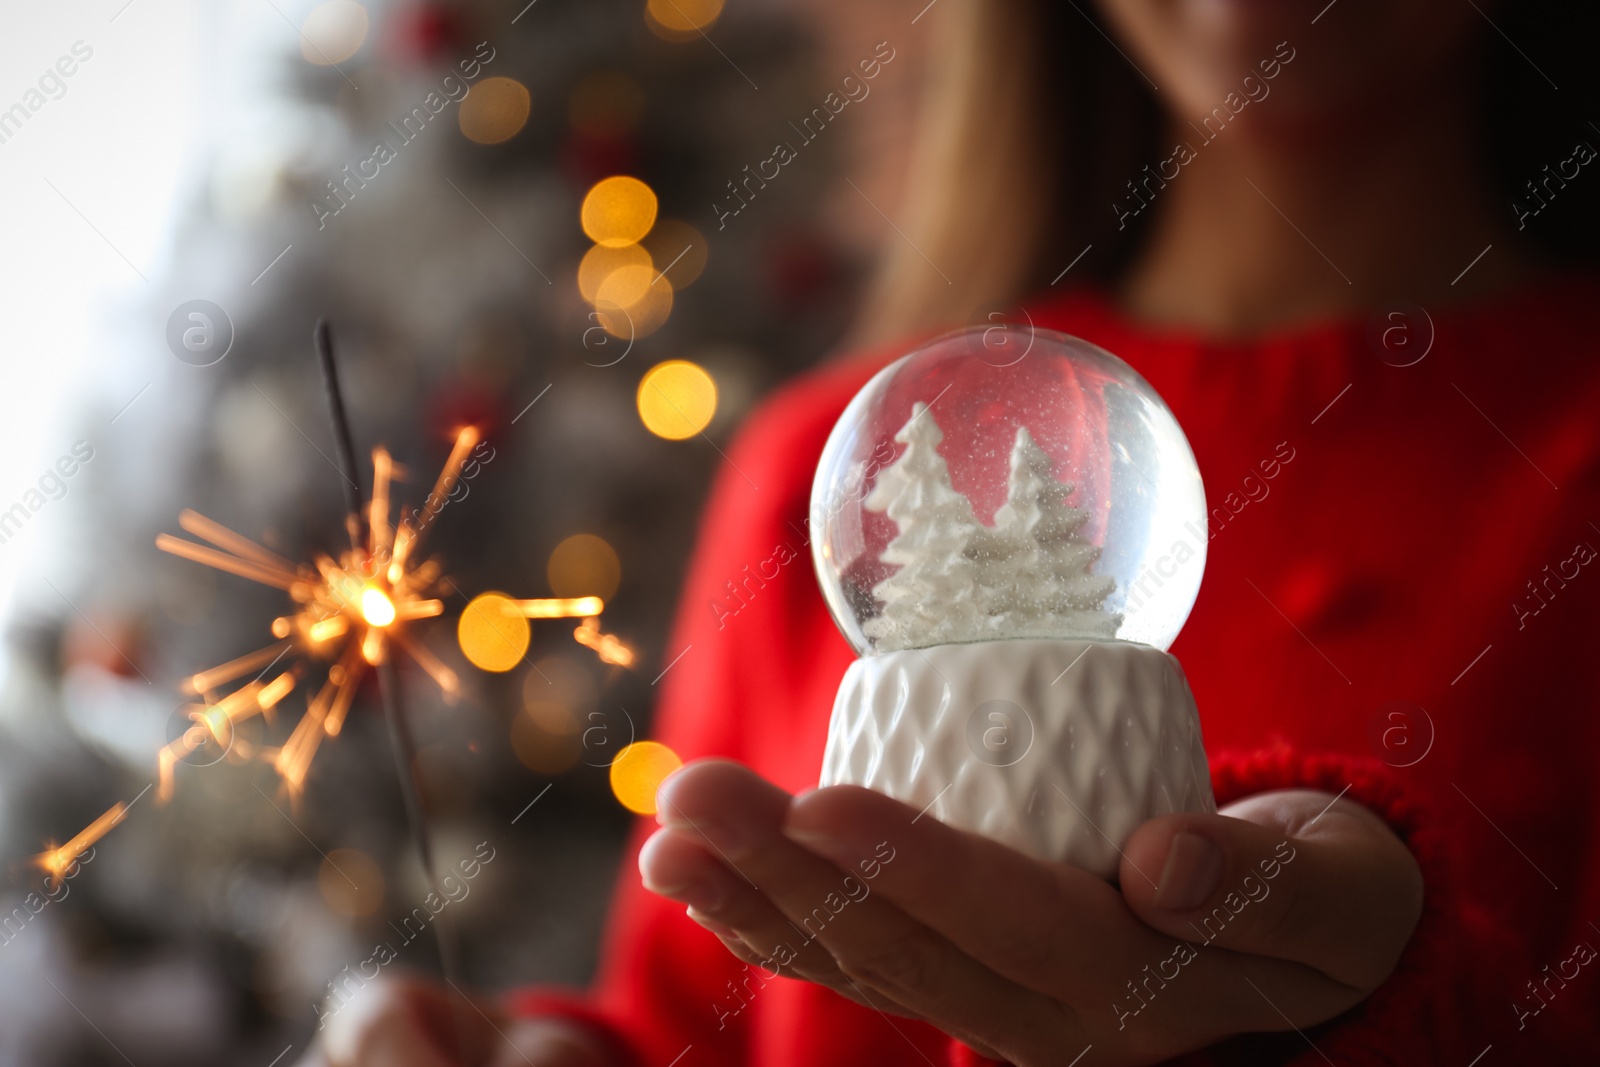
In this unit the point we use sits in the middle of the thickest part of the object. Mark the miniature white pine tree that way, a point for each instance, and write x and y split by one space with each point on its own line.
931 599
1033 566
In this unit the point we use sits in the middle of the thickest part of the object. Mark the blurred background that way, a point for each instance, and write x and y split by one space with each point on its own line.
561 209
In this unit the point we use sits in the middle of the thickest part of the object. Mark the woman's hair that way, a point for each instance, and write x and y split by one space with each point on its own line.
1032 123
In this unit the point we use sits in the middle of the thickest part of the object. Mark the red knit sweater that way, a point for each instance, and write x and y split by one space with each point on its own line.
1426 534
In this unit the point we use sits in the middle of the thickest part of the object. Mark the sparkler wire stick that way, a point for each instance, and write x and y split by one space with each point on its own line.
403 743
322 336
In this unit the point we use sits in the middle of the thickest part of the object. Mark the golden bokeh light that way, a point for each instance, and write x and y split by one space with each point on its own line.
643 317
584 565
679 19
605 104
618 211
493 632
600 262
333 32
552 718
545 750
560 681
350 882
677 399
679 248
626 286
638 772
495 110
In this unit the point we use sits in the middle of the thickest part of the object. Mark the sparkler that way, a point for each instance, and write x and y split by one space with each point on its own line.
352 613
606 646
57 861
380 607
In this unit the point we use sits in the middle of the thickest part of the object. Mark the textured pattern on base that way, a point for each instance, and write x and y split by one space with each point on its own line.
1060 749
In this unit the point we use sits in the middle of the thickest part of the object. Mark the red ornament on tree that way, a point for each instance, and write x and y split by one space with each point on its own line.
425 33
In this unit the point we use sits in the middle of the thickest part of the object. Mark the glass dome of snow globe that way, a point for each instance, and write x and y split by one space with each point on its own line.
1008 482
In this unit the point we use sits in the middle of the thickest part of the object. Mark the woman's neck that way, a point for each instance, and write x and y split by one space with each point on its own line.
1260 233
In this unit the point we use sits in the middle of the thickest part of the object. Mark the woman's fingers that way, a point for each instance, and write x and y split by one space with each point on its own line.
403 1022
1060 930
1046 926
1293 875
1029 957
409 1022
877 947
681 865
547 1043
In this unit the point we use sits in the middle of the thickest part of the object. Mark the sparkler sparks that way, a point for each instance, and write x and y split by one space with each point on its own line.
57 861
606 646
352 611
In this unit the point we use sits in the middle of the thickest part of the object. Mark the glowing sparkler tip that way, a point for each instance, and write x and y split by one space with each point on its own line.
52 862
376 607
57 861
352 609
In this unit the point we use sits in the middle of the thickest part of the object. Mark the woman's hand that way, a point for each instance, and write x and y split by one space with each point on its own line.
410 1022
1281 913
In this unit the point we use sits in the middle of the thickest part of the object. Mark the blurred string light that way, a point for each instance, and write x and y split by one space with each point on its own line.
492 633
584 565
638 772
677 399
557 696
636 265
627 285
333 32
681 20
494 111
546 739
560 682
618 211
679 248
618 276
600 262
641 318
351 883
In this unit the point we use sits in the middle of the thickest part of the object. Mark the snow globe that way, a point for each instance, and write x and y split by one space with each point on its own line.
1010 528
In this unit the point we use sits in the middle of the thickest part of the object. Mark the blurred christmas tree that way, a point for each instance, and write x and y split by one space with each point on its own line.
508 211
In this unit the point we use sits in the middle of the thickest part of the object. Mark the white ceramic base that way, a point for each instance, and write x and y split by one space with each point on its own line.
1060 749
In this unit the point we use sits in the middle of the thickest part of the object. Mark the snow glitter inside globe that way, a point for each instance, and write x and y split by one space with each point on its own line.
1004 483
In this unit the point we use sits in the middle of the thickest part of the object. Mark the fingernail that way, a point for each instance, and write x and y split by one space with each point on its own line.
812 840
719 834
700 895
1194 867
711 924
